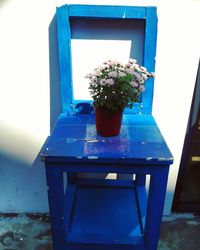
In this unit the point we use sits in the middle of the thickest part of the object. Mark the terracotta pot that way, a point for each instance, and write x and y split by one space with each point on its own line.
108 124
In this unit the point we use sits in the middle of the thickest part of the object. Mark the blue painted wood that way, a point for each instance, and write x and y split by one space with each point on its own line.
68 206
141 196
105 214
140 179
65 65
66 12
99 11
106 183
76 246
99 216
108 166
56 205
149 57
156 198
75 139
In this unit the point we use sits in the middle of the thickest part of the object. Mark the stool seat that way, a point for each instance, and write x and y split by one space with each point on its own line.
74 139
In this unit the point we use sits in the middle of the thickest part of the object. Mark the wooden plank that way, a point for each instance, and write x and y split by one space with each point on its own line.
74 139
101 11
149 57
108 167
105 183
80 246
100 211
110 239
64 51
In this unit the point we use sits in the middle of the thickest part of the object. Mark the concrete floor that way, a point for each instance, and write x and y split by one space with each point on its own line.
32 232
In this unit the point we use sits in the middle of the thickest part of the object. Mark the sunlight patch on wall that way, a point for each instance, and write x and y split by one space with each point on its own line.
89 54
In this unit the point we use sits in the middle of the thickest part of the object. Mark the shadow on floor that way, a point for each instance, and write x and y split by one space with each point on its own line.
32 232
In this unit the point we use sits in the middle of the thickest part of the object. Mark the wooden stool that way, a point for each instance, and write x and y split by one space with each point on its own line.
105 214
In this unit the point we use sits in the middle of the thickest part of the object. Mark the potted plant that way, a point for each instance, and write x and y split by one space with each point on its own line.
114 86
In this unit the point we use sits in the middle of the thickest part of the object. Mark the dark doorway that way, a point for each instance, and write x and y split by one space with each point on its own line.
187 192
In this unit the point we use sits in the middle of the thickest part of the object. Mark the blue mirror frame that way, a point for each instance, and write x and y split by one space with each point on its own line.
65 12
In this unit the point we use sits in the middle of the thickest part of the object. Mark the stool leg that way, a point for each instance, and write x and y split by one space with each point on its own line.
156 199
140 179
56 204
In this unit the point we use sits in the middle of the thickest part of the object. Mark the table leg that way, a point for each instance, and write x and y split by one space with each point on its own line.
156 199
56 205
140 179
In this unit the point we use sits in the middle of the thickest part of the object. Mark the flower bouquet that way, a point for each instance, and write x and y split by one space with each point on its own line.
115 86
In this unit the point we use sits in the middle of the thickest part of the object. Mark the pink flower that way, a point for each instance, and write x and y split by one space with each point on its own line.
142 88
102 82
134 84
112 74
121 74
138 77
110 82
130 71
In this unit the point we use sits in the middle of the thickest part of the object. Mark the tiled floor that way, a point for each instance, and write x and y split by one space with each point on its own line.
32 232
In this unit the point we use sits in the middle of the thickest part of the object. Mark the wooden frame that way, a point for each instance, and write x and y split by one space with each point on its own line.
64 13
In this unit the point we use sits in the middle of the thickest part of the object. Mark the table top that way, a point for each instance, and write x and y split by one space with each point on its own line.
74 139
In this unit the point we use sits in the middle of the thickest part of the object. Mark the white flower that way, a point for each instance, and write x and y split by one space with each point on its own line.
133 61
143 69
94 80
121 68
145 77
88 75
96 73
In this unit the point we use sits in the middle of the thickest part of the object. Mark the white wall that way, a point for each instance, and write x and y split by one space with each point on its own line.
24 102
25 90
178 52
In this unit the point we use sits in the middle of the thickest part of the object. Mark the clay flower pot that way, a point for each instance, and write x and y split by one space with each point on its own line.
108 123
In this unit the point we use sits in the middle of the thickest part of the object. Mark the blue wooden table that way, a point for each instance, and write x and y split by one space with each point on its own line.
99 213
104 214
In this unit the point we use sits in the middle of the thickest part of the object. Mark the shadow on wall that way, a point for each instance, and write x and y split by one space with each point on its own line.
3 2
23 186
55 90
22 183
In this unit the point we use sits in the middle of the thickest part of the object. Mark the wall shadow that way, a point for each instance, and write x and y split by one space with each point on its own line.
55 90
23 185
